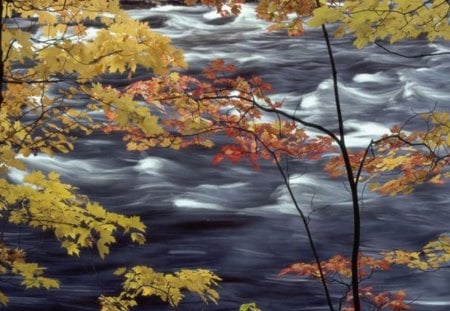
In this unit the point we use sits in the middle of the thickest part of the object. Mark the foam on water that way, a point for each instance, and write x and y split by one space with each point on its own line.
311 101
182 202
310 190
421 83
378 77
441 303
226 186
153 165
94 170
16 175
360 133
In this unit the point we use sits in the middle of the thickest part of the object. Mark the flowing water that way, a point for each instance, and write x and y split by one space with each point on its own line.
239 222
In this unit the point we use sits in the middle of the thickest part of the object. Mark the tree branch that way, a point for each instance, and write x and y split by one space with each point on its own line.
408 56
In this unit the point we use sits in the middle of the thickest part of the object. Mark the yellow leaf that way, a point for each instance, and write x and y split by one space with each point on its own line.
3 299
137 237
208 143
249 307
48 283
150 126
324 15
72 248
116 63
120 271
121 117
174 76
53 176
96 210
102 248
34 178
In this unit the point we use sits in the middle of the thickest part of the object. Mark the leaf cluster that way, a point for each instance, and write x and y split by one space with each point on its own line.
143 281
194 111
13 263
337 270
403 159
50 61
434 255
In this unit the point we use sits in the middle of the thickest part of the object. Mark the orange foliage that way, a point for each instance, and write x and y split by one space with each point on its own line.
338 266
187 111
194 110
337 269
280 13
410 158
382 300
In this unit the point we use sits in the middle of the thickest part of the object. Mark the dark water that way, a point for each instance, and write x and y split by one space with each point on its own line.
239 222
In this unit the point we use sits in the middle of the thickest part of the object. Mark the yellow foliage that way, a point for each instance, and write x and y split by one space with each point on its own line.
34 120
3 299
394 20
417 157
144 281
367 20
401 160
12 261
45 202
434 255
249 307
68 52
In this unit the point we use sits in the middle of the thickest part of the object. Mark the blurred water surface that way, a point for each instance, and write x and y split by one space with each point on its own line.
239 222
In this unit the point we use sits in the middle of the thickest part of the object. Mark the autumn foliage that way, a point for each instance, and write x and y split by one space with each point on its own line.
410 157
38 116
192 111
142 281
177 111
338 270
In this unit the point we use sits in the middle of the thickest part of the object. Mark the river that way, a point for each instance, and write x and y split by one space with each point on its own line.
238 222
